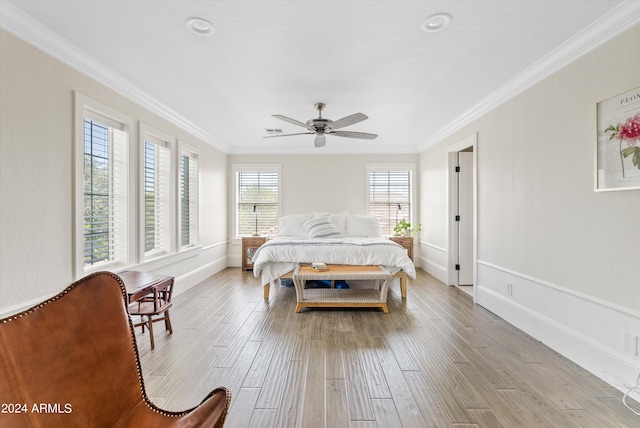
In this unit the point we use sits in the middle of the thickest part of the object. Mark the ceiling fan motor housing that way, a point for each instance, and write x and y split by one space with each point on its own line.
319 124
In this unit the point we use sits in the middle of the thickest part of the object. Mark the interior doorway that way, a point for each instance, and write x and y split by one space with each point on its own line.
462 211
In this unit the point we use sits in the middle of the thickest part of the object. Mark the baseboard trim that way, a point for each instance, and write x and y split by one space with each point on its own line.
564 320
563 290
432 268
433 260
196 276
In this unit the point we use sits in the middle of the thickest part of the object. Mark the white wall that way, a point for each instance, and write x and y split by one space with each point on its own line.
322 182
432 254
36 199
571 253
318 182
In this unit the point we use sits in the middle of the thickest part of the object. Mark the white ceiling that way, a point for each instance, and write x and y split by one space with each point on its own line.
281 57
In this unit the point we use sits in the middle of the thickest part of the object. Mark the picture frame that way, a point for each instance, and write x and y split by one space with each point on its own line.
618 142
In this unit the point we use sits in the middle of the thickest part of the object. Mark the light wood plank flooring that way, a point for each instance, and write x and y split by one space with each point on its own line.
436 360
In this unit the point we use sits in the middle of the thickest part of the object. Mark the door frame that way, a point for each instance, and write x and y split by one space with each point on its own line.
470 141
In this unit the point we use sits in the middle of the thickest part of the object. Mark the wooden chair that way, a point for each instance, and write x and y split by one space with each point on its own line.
154 308
72 361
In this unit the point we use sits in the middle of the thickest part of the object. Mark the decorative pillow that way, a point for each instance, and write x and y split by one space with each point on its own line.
291 225
339 220
321 227
363 225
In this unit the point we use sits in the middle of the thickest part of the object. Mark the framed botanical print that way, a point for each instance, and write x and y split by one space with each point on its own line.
618 144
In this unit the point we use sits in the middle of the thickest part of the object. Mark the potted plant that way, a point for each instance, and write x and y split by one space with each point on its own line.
404 228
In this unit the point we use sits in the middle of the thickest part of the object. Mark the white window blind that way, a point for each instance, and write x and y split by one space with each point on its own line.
188 199
105 187
157 200
257 208
390 196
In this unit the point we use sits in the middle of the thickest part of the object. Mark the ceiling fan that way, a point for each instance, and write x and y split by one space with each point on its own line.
322 127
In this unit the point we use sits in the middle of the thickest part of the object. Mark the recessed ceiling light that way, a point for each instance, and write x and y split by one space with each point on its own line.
436 22
200 26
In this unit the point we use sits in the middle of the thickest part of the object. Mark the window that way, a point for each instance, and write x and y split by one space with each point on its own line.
133 202
390 195
257 200
157 196
188 184
103 200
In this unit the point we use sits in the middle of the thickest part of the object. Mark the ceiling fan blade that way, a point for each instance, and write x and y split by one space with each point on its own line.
293 121
353 134
349 120
320 140
287 135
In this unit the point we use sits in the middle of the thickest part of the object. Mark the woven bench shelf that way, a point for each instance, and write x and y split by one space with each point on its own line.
332 297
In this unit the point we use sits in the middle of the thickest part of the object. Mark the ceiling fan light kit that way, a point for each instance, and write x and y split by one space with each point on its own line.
321 127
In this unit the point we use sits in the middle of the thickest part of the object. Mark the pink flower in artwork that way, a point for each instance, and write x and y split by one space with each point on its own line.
630 131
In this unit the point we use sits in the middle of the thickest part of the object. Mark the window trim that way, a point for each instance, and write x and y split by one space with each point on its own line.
148 133
235 168
87 107
394 167
184 148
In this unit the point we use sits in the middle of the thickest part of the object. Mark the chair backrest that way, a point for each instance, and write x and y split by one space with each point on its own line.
163 295
154 303
73 361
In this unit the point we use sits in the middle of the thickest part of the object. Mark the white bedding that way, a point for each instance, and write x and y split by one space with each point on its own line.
281 255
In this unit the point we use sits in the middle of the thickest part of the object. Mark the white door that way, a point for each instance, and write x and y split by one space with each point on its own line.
465 211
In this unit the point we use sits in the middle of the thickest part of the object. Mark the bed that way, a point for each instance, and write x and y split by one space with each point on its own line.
332 239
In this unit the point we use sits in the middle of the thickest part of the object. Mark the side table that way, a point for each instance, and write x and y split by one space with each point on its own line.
406 242
249 246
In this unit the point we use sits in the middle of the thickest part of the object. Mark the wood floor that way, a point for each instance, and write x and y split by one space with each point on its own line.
436 360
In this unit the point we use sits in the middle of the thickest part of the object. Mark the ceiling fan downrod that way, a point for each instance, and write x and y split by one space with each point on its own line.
320 123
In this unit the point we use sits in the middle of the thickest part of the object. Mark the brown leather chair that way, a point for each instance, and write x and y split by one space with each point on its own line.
153 308
72 361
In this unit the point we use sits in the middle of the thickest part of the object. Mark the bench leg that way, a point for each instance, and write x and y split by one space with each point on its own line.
266 290
403 283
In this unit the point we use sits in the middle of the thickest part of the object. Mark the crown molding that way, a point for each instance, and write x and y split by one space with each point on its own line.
32 31
327 150
610 25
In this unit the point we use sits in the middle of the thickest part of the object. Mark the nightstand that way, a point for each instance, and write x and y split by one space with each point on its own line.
406 242
249 246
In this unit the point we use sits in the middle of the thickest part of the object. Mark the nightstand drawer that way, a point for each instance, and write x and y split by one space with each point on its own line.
253 242
402 240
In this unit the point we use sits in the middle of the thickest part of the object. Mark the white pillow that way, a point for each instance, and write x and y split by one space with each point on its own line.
291 225
363 225
339 220
321 227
